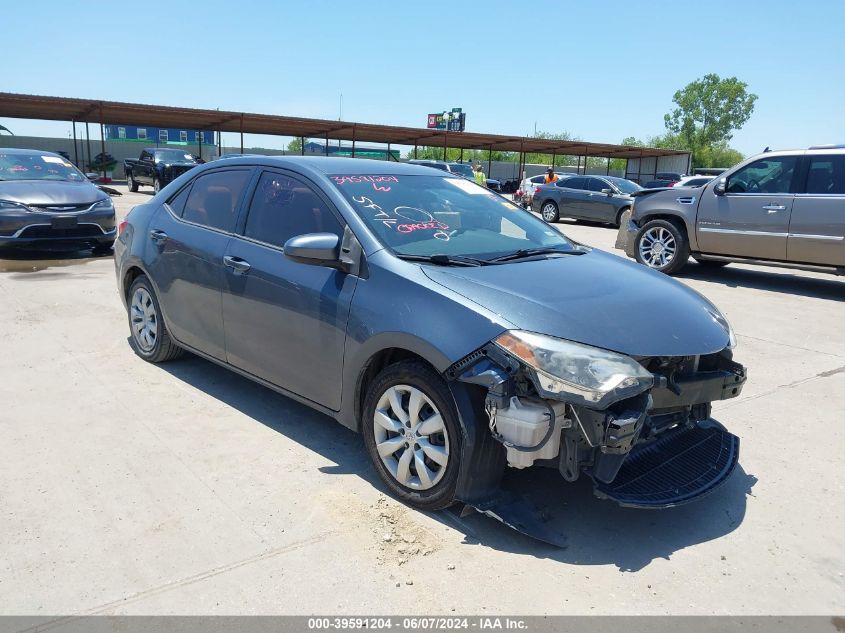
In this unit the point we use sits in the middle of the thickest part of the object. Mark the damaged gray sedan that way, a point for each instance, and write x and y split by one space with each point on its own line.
458 334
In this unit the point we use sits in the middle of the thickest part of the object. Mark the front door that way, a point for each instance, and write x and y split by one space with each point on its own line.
285 321
189 236
599 205
752 218
817 229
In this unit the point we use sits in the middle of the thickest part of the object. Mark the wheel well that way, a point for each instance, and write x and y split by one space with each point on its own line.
674 219
374 365
131 275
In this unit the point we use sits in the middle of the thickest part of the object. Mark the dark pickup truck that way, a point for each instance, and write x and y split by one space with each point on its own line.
157 167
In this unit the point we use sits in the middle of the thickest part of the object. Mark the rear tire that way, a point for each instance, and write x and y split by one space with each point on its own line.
130 183
156 185
149 337
618 221
662 245
550 211
412 434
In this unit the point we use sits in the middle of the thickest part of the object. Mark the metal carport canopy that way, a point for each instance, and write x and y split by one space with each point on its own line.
23 106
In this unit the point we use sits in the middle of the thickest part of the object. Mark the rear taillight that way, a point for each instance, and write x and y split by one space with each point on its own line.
122 227
537 190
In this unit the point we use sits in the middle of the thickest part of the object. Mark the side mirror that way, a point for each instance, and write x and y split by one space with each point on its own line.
317 249
92 176
720 187
607 191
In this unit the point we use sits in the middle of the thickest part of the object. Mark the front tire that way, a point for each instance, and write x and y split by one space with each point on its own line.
156 185
148 333
412 434
550 211
662 245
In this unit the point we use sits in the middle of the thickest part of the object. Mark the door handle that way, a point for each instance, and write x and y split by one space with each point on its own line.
238 265
771 208
159 237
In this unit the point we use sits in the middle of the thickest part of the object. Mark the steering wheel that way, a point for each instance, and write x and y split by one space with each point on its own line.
753 185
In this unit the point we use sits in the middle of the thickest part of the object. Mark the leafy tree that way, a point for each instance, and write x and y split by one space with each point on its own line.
709 110
718 156
295 146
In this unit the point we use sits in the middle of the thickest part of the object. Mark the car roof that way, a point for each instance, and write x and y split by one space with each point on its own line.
327 165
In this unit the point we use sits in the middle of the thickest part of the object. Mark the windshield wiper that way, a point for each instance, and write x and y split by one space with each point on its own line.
524 253
445 260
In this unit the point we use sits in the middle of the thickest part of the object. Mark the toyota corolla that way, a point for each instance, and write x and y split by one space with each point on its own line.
458 334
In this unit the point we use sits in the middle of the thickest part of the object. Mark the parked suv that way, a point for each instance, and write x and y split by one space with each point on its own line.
782 208
460 169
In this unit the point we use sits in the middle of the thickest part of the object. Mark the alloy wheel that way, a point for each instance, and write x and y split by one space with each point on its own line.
410 437
549 212
657 247
144 319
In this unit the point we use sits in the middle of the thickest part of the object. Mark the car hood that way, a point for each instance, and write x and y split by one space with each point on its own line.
597 299
43 192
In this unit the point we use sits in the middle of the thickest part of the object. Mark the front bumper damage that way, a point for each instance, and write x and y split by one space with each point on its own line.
657 449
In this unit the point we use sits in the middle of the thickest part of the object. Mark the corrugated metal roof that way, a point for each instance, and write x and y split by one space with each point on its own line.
115 112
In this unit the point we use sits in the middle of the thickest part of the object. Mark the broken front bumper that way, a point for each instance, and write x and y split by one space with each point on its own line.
657 449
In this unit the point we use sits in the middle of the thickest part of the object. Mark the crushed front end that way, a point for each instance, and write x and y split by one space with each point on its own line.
640 428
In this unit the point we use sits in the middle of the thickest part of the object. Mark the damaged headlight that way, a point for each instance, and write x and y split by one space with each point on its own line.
578 373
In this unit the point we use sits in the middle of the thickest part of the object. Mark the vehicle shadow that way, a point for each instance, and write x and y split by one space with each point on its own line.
596 532
773 280
28 260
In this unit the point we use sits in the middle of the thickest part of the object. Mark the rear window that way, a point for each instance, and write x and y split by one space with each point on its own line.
826 175
215 198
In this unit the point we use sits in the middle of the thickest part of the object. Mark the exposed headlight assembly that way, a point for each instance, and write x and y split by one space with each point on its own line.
577 373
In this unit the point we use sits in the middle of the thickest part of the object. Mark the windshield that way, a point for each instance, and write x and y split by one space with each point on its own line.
625 186
38 167
463 170
434 215
172 156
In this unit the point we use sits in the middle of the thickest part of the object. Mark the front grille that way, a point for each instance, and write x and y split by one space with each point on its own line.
62 208
48 232
679 466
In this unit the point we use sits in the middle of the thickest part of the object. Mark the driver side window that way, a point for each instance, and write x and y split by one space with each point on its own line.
767 175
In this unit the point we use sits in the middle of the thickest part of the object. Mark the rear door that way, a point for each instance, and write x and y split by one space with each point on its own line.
188 239
145 168
752 218
285 321
817 227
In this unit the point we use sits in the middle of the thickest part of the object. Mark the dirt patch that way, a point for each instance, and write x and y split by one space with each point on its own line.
400 538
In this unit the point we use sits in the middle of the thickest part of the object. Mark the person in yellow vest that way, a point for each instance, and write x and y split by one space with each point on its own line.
480 178
551 176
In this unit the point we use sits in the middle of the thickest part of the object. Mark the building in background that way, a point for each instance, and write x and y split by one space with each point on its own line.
158 135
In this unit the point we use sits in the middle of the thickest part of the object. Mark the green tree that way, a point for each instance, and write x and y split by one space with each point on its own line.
295 146
718 156
708 111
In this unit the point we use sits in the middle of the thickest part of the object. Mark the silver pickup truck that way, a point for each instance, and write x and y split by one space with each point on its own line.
783 208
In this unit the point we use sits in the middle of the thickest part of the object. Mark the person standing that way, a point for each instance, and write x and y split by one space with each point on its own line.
550 177
480 178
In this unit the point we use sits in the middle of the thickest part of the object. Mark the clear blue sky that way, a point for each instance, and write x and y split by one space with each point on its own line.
601 71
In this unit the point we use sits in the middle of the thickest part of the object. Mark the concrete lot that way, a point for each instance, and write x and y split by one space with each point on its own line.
184 489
